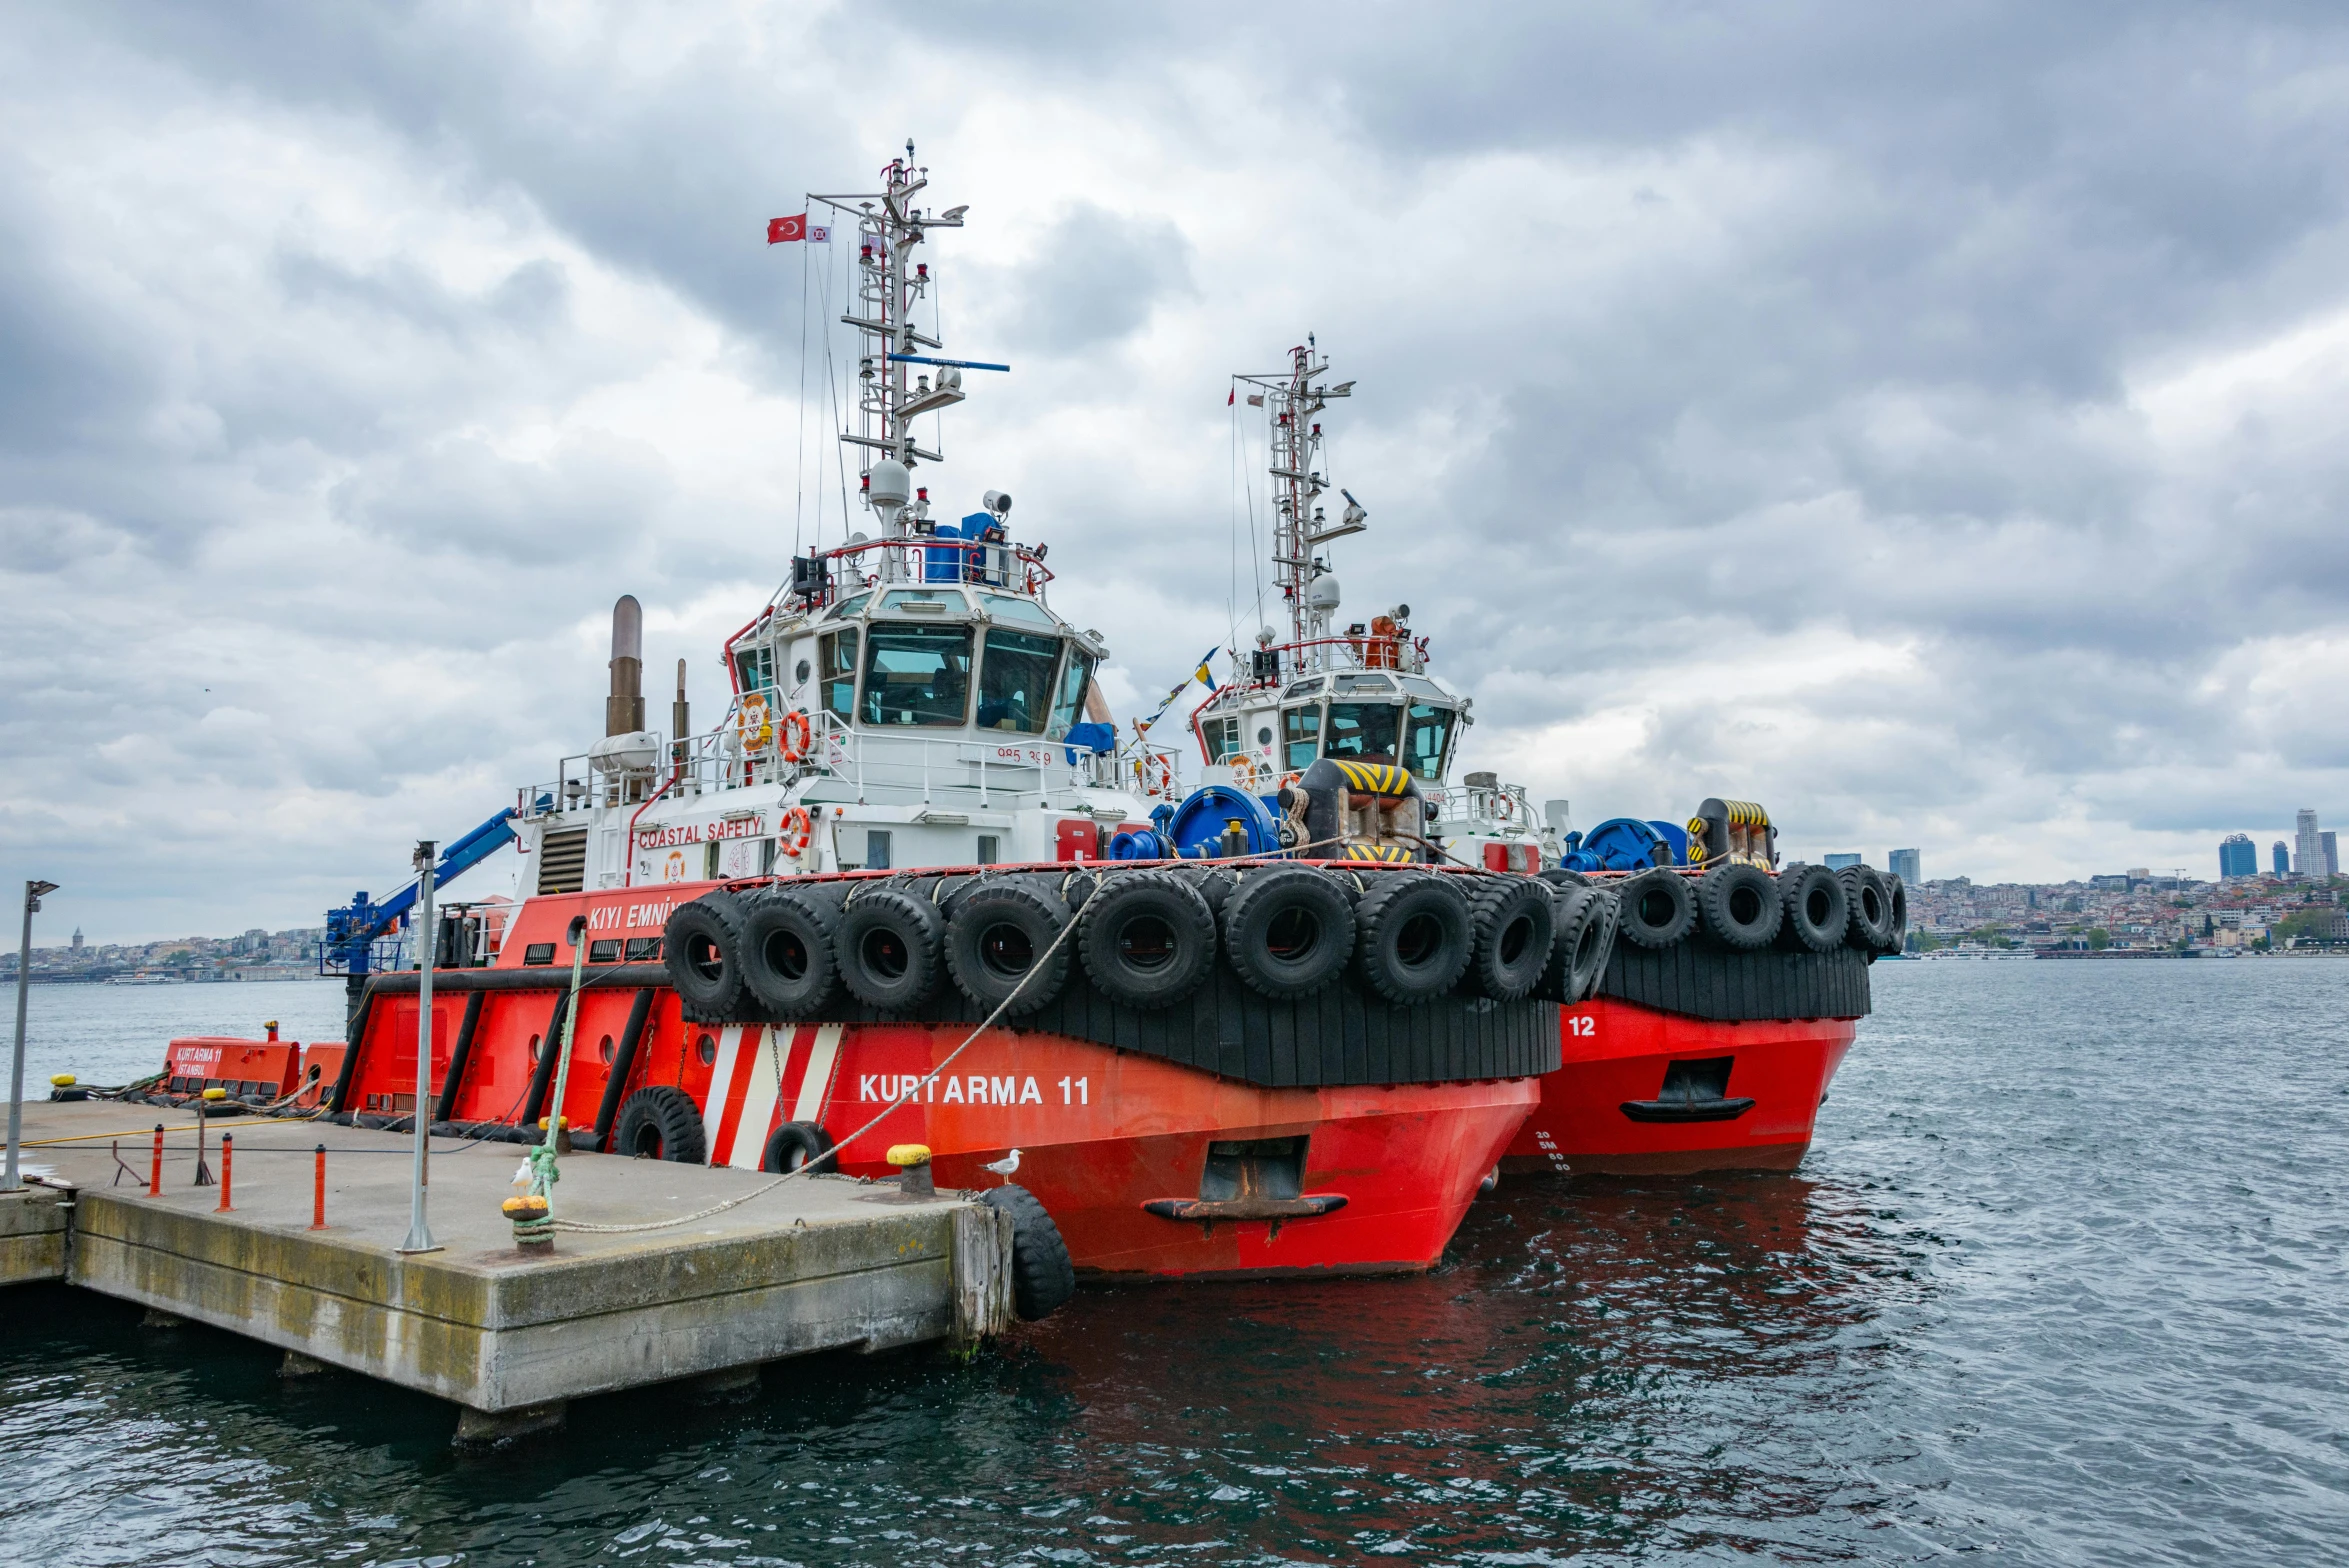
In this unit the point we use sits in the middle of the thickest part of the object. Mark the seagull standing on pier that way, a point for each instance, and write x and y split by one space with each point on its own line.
1004 1167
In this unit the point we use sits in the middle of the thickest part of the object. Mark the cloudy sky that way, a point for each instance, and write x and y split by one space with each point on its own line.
1924 420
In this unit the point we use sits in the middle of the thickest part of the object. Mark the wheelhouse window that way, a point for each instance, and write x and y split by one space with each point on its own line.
916 675
1222 737
1425 737
1015 679
754 668
1018 612
1300 737
849 606
836 653
1068 706
1362 731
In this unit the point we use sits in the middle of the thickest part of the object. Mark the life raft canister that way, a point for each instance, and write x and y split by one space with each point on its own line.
1363 811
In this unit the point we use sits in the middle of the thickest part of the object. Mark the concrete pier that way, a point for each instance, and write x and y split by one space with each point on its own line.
818 1263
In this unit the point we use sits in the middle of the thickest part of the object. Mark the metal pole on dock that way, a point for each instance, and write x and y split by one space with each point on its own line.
24 978
427 949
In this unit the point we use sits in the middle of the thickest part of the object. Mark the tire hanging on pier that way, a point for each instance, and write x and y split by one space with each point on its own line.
660 1122
1042 1277
795 1146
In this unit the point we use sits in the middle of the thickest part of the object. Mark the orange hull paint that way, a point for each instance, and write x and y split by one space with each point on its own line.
1615 1052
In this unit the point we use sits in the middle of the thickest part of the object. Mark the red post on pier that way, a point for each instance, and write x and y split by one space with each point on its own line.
155 1175
318 1192
228 1150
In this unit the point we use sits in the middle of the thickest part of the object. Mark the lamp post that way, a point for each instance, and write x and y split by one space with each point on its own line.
24 979
427 949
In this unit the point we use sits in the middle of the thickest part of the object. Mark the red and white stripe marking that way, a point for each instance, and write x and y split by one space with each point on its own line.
764 1077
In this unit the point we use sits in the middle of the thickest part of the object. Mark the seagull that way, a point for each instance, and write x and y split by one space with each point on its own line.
1005 1166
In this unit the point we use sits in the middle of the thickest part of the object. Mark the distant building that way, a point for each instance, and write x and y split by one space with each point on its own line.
2332 853
2283 859
2308 854
1907 866
77 939
1838 862
2238 856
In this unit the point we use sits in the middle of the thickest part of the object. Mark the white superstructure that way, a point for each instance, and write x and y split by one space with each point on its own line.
1356 691
907 700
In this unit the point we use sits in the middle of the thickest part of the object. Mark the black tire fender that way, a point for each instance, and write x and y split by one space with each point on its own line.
1868 908
788 961
701 947
1148 938
795 1146
1655 909
1896 936
1414 935
660 1122
1288 931
1816 910
1740 906
997 939
1042 1277
1585 939
887 946
1516 930
1596 946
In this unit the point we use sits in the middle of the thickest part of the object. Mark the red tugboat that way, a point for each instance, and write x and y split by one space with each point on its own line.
875 906
1726 1008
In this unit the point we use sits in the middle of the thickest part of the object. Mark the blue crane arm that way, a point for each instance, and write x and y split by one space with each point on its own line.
351 929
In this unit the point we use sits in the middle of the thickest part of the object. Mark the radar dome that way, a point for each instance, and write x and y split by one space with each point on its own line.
891 484
1323 595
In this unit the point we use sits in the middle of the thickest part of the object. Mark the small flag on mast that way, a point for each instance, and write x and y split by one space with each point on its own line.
1230 397
782 230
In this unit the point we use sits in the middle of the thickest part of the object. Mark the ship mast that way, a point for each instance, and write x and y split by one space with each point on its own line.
1300 524
897 381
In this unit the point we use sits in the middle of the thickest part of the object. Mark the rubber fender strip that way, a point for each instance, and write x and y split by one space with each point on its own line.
1213 1209
1686 1110
550 1047
459 1055
605 977
357 1042
623 1061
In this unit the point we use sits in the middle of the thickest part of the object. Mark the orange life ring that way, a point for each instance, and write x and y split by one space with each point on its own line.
798 735
756 723
1504 808
1288 780
1244 770
1166 777
796 831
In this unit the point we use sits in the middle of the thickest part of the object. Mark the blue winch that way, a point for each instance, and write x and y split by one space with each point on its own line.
1626 844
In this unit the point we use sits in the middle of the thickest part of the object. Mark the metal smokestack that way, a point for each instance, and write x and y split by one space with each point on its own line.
680 719
624 708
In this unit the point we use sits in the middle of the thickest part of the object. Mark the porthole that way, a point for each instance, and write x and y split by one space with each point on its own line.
603 1049
804 667
707 1049
1264 736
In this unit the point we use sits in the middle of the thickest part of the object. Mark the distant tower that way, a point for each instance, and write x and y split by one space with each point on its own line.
77 939
2332 854
1838 862
1907 865
2238 856
2308 854
2283 859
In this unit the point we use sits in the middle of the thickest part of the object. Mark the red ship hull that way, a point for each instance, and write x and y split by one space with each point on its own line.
1101 1132
1604 1110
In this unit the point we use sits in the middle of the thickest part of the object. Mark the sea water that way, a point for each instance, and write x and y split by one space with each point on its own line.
2062 1279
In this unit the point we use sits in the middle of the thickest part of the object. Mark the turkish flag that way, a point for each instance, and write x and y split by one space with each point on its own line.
782 229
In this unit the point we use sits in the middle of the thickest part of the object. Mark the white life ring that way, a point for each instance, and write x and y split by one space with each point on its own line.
798 735
794 833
